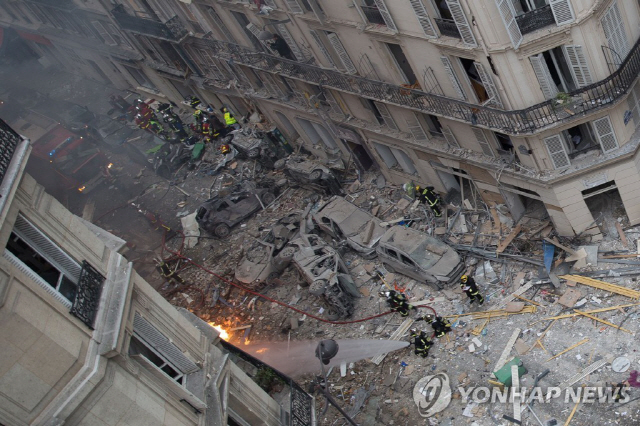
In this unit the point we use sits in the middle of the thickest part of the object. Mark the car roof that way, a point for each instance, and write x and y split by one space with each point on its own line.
339 210
404 239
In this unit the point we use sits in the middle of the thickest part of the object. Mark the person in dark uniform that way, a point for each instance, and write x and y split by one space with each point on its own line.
398 303
422 342
469 286
278 44
428 196
440 325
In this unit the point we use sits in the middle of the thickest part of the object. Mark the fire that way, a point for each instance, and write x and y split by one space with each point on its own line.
223 333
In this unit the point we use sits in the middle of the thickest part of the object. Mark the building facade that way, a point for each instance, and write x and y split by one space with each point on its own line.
531 103
84 340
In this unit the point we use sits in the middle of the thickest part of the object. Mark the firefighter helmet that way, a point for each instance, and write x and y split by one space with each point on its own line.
414 332
225 149
429 318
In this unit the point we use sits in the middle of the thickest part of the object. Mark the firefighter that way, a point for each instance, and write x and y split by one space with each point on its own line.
225 149
198 115
156 127
229 119
142 122
428 196
422 342
194 102
166 272
440 325
398 303
469 286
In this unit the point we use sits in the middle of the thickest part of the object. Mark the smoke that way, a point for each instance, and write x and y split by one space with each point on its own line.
298 358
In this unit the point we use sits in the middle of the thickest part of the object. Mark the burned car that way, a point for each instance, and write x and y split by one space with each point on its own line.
346 221
310 174
219 214
268 257
323 269
419 256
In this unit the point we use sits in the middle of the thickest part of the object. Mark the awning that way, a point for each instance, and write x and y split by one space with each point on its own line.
34 37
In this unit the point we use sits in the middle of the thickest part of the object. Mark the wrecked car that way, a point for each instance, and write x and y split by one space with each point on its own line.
268 257
310 174
324 270
419 256
346 221
219 214
253 144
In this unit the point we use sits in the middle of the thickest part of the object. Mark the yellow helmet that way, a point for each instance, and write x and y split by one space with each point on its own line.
464 278
417 187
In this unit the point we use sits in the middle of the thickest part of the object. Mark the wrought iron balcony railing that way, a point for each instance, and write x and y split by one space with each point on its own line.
87 301
536 19
9 140
302 406
515 122
373 15
172 30
448 28
66 5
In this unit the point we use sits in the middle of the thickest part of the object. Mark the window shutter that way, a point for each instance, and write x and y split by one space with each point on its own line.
256 32
562 11
317 10
386 115
220 24
482 140
286 35
614 31
386 15
323 49
633 101
342 53
294 6
50 250
452 76
548 87
208 61
578 65
331 100
605 133
271 84
450 137
103 33
159 342
489 85
508 15
557 151
423 18
404 160
461 22
416 128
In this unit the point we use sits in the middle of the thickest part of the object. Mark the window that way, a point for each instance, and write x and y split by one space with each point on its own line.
395 158
561 69
391 253
55 270
376 12
453 22
614 30
222 28
140 77
152 345
317 133
245 24
433 123
380 112
403 63
407 261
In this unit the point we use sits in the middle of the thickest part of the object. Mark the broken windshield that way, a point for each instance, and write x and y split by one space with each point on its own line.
428 253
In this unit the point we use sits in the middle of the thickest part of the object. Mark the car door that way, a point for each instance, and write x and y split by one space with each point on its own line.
410 268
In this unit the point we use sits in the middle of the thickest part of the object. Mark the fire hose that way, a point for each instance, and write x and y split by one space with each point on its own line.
179 255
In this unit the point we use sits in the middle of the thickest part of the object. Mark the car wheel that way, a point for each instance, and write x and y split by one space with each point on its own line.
272 276
280 164
317 288
222 230
315 175
254 153
268 198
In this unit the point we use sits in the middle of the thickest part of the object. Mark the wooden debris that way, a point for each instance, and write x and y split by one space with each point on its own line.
539 341
623 237
527 300
396 335
546 231
570 297
496 221
556 243
581 375
618 256
518 292
505 243
602 321
514 307
533 232
602 285
579 255
496 313
507 351
515 384
581 342
595 311
575 408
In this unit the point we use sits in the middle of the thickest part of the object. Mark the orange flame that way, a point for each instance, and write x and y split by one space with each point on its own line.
221 331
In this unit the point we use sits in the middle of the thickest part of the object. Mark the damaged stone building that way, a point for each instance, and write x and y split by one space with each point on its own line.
85 340
534 104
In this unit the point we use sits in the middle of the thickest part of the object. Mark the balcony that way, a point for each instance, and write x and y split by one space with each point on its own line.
172 30
86 304
536 19
515 122
9 140
373 15
448 28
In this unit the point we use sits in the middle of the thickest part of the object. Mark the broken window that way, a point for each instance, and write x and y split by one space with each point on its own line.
403 63
561 69
407 261
391 253
317 133
140 77
385 153
474 79
433 123
244 23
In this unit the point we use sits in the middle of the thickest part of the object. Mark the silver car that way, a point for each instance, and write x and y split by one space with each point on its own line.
346 221
419 256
